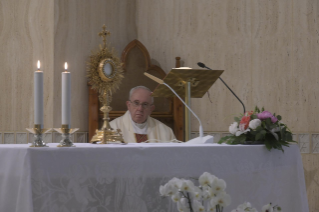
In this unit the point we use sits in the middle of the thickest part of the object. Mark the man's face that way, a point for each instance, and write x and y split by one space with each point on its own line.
140 105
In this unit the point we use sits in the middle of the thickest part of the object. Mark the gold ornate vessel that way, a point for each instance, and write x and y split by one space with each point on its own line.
105 74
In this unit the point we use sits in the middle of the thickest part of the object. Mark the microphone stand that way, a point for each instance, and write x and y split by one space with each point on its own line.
201 133
202 65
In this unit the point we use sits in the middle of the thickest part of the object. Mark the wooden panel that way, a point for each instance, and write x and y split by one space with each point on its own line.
136 61
93 112
179 115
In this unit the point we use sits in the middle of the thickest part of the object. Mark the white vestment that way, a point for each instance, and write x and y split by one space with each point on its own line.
155 129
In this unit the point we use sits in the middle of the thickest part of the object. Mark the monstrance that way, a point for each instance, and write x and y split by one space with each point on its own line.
105 74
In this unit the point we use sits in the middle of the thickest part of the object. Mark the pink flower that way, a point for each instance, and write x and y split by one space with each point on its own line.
265 115
274 119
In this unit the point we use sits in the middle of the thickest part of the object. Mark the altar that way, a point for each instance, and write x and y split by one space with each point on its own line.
126 178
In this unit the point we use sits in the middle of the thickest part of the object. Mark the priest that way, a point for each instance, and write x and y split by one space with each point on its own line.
136 124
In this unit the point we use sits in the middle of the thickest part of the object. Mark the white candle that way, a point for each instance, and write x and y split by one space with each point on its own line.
66 96
38 96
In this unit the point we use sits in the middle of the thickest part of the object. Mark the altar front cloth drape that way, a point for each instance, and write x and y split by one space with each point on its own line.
126 178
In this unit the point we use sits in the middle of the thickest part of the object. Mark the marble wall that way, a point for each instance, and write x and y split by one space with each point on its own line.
77 24
26 35
268 50
54 32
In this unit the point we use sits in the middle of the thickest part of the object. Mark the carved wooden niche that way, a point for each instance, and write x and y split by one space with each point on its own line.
136 60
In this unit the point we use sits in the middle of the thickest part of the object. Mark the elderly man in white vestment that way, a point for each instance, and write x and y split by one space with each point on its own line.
136 124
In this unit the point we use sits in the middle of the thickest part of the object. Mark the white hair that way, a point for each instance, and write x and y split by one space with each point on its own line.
140 87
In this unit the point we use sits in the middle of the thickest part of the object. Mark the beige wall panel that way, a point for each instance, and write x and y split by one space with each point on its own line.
311 168
232 53
214 32
275 84
77 24
26 35
305 71
305 51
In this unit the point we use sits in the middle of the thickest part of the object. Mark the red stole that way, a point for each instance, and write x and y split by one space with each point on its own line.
140 137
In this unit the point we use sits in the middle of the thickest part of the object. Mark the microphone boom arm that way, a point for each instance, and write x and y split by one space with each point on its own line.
202 65
234 94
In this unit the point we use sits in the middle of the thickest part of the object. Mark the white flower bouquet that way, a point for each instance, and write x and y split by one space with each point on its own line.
259 127
209 196
246 207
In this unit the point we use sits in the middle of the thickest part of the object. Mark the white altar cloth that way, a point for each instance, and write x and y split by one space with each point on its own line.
126 178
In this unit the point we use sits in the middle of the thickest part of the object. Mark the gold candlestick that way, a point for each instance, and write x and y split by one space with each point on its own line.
37 131
66 133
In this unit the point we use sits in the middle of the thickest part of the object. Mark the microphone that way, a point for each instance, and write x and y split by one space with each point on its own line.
202 65
202 139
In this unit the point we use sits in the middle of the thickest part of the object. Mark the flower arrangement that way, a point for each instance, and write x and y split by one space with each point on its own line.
209 196
259 127
190 198
246 207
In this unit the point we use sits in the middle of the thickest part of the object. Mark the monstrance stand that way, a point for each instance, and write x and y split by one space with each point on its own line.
106 134
105 74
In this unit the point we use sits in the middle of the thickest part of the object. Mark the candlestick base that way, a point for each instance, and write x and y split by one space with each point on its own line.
37 131
66 133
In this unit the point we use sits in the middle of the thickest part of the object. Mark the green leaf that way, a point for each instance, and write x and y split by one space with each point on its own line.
225 139
284 143
250 137
268 145
257 110
259 128
254 116
279 117
259 136
268 122
253 132
282 133
240 139
288 136
237 119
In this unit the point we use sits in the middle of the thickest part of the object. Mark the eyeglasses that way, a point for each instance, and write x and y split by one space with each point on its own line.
144 105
